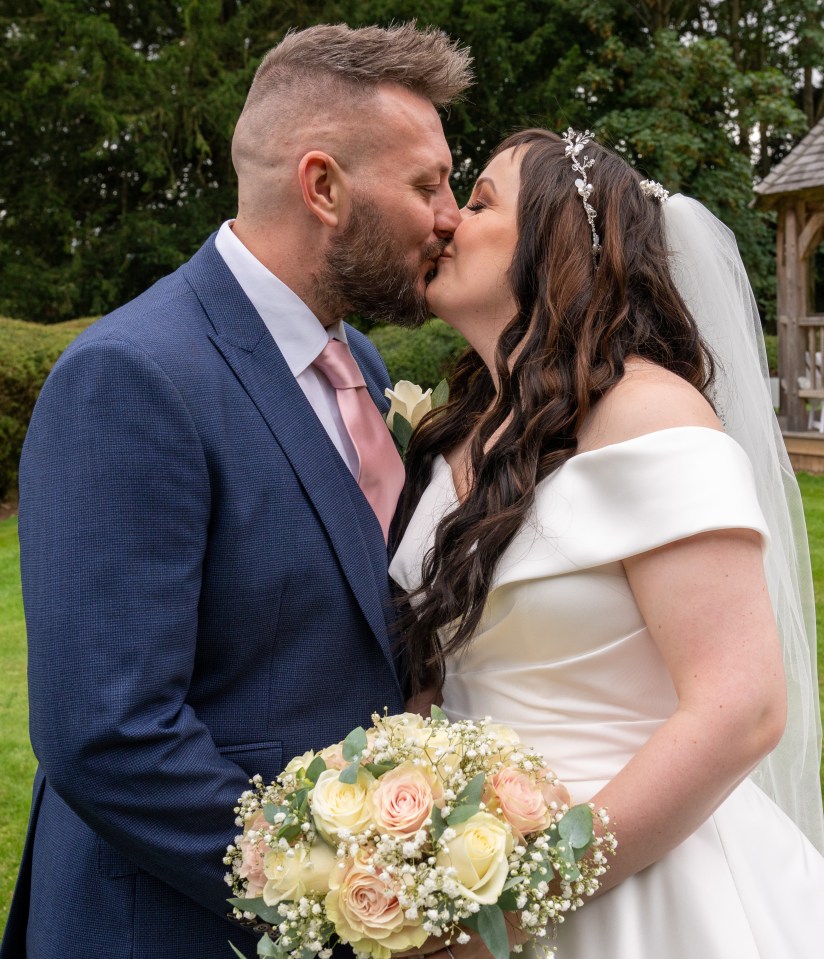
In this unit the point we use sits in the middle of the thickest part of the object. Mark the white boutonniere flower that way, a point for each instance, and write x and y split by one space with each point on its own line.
409 405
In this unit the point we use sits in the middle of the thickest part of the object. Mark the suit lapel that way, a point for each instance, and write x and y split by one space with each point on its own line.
246 345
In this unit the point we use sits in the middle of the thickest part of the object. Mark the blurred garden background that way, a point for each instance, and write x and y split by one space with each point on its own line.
115 125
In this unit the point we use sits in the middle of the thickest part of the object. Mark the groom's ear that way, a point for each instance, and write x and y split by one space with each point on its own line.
325 188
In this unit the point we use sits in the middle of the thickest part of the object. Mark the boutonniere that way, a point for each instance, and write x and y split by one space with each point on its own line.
409 405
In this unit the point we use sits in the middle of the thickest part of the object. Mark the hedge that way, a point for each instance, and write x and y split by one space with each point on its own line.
423 356
28 351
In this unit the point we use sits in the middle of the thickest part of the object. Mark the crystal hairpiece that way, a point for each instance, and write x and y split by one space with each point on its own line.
653 189
575 142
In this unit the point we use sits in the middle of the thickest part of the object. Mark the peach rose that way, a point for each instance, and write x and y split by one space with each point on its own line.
253 851
366 913
403 800
333 756
521 801
478 853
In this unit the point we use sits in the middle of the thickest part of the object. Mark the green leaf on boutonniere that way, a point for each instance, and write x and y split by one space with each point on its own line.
402 430
354 744
316 767
235 950
437 714
490 925
259 908
440 394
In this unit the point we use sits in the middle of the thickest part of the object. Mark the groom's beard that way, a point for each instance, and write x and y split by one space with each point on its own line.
367 273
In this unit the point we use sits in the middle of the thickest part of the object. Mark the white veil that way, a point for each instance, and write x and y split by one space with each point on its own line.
710 276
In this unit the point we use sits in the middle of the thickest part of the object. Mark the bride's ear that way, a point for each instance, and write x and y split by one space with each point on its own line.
325 188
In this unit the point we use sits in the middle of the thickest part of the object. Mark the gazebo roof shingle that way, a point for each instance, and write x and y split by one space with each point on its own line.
802 169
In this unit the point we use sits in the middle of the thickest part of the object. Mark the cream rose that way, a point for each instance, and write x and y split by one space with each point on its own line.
410 401
403 800
366 913
333 756
253 851
478 853
295 872
521 801
299 762
336 805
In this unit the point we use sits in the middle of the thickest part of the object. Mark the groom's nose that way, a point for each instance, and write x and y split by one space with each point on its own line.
447 215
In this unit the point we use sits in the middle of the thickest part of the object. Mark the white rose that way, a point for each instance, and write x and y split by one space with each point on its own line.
295 872
299 762
410 401
478 853
336 805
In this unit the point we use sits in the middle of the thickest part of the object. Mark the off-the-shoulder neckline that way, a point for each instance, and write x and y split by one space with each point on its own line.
621 444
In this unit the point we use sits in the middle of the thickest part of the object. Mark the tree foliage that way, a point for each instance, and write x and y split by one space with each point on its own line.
116 116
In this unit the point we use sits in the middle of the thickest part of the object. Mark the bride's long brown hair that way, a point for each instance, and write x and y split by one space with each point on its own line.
577 321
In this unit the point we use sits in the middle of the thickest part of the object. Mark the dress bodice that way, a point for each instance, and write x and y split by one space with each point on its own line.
562 652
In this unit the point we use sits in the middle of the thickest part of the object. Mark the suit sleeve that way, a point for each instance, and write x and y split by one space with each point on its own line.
115 505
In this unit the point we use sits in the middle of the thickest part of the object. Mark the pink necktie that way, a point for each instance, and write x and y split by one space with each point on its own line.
380 469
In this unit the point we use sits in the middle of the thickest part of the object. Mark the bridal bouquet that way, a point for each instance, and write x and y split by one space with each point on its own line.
413 829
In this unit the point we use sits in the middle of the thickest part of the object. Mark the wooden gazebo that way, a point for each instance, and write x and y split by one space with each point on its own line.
795 189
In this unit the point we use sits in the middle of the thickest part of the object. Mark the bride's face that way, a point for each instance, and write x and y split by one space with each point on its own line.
470 290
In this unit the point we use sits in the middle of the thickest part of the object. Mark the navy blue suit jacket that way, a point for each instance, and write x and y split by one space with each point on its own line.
206 596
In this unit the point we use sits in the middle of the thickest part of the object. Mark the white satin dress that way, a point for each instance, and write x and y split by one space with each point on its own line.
563 656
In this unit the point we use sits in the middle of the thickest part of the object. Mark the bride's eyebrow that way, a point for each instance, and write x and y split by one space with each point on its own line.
485 180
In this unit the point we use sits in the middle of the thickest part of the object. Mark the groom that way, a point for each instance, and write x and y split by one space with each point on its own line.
204 578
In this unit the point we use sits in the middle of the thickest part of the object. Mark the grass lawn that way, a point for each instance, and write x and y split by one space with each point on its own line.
17 764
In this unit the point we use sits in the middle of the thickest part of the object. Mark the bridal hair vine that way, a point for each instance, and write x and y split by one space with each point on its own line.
575 143
654 190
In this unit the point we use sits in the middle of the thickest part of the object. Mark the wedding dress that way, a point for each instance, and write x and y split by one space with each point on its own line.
564 657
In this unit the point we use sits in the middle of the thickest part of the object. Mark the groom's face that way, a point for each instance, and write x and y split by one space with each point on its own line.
402 212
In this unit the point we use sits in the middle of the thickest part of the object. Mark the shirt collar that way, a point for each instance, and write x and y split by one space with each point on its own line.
299 334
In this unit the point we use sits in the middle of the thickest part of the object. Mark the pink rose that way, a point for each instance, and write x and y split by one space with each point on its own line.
403 800
366 913
521 801
253 850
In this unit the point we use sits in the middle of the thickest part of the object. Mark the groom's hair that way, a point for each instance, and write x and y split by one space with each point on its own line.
337 60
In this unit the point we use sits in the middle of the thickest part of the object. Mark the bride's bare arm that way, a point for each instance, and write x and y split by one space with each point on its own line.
706 605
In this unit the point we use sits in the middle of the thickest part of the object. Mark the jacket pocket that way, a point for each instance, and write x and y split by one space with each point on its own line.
253 758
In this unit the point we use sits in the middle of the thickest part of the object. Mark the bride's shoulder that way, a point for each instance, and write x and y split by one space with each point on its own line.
648 398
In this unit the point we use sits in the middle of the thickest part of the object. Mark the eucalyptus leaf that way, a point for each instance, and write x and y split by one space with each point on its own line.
492 929
354 744
379 769
270 810
266 948
576 827
235 949
297 798
508 900
316 767
514 881
461 813
437 714
438 824
259 908
349 774
472 792
440 394
544 873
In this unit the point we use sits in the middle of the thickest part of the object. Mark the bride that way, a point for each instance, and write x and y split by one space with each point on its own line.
605 549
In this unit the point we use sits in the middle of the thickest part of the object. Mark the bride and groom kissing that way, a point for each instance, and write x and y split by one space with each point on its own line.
208 507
